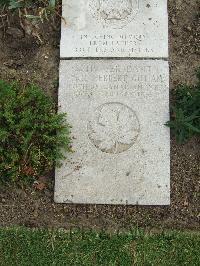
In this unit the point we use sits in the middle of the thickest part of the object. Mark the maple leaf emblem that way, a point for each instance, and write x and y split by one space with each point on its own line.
114 128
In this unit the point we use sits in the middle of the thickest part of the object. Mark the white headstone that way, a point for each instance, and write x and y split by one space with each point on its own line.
114 28
117 109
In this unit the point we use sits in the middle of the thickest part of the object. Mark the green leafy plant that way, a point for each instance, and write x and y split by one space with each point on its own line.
33 137
185 121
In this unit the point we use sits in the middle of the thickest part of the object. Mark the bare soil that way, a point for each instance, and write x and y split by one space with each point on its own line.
26 60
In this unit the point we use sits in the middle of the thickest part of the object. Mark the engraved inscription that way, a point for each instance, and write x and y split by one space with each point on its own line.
113 128
114 13
118 81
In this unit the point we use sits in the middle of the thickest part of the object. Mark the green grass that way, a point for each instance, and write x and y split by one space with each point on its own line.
21 246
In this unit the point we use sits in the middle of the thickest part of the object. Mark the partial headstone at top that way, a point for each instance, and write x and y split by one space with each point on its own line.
114 28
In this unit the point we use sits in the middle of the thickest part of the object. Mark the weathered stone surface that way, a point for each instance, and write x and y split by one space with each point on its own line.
117 110
114 28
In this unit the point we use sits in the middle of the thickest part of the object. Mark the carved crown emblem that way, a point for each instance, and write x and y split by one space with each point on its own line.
115 9
114 13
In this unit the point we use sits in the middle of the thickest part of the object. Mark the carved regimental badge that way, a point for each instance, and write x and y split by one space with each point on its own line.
113 128
114 13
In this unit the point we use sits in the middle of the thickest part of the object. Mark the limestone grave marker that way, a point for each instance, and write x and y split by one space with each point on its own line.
114 28
117 109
